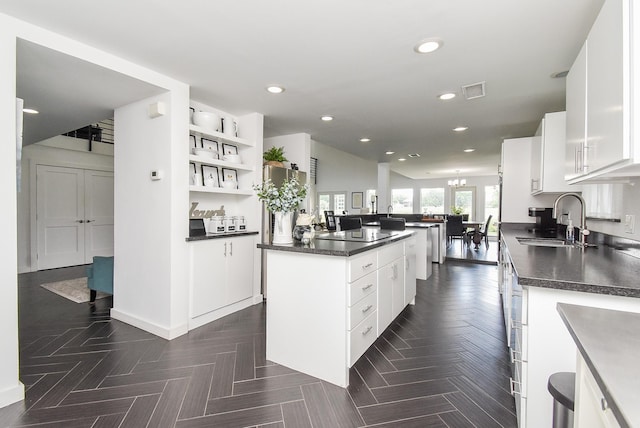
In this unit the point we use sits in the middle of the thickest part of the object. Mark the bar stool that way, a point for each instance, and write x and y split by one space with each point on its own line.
561 385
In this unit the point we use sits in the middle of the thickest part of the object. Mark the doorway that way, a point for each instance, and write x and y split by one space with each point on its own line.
465 198
74 215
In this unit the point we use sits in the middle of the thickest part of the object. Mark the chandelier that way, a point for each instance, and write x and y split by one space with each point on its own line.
457 182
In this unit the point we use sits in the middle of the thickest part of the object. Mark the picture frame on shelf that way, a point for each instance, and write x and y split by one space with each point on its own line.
229 149
209 144
195 179
193 142
356 199
229 175
192 168
210 176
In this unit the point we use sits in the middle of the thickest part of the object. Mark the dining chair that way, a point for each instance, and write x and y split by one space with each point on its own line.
392 223
455 229
330 220
478 235
348 223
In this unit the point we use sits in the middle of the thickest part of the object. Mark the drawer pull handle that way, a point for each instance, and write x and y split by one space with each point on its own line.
364 333
512 386
367 308
603 404
513 353
366 287
367 266
515 325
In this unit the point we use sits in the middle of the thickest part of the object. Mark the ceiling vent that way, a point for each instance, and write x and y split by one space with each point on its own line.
475 90
413 155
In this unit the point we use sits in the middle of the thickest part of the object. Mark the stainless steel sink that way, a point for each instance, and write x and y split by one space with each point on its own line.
543 242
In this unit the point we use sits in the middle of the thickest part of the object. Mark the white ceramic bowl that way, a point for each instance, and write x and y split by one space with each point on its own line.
198 151
206 119
229 184
232 158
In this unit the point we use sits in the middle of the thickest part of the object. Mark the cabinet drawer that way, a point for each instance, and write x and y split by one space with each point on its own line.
362 309
388 253
362 287
361 265
410 246
361 337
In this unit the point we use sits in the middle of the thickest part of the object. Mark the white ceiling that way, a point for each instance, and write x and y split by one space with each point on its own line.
352 59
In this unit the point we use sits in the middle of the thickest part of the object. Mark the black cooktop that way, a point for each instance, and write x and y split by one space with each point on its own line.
357 235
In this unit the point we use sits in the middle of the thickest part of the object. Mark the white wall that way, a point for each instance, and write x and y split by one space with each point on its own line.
626 199
44 154
177 172
151 264
11 389
297 148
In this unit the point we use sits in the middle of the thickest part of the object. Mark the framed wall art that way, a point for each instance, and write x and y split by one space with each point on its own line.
356 199
230 175
210 176
229 149
209 144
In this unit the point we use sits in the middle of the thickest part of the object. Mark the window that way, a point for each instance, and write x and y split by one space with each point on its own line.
339 203
402 201
331 201
491 203
464 198
432 201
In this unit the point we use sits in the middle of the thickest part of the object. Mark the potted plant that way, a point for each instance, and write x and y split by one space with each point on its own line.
274 156
456 210
282 201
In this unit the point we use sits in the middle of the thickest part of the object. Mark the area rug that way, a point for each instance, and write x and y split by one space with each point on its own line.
73 289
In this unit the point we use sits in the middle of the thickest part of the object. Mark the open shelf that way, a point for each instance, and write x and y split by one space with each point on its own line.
203 132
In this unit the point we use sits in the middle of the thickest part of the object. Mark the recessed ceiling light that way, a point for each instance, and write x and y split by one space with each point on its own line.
460 128
365 140
469 150
275 89
327 118
389 153
428 46
402 159
447 96
30 111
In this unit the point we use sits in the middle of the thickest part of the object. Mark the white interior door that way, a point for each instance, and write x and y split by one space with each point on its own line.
60 216
98 188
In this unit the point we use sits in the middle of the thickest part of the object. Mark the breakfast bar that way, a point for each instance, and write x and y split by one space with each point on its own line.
328 301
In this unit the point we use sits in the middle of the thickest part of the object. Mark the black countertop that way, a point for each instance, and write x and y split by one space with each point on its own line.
601 270
609 342
336 248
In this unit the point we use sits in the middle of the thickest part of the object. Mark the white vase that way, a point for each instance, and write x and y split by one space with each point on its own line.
282 229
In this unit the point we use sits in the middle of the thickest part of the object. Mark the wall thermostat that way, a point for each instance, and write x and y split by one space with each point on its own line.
157 175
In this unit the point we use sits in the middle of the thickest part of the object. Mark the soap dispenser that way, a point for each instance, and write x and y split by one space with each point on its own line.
569 236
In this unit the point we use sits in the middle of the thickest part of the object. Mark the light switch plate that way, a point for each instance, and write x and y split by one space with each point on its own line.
629 223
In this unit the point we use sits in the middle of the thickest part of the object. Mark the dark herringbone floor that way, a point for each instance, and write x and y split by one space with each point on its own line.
442 363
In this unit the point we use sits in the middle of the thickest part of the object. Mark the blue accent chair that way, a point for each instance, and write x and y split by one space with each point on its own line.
100 276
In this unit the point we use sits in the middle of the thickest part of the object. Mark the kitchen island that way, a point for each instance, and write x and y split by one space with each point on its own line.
328 301
533 280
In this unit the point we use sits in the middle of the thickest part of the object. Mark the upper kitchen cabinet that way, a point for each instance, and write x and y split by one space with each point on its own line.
548 154
600 98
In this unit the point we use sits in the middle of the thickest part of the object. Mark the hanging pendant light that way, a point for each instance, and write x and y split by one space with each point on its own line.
457 182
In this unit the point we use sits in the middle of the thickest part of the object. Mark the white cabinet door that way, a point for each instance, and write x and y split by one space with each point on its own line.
239 268
385 305
411 263
547 155
98 214
397 287
606 143
576 132
209 279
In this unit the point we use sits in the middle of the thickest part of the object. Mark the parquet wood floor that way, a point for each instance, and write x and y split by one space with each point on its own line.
442 363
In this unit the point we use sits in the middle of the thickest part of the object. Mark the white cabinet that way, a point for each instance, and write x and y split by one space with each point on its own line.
576 104
222 272
591 408
600 99
547 155
411 263
390 284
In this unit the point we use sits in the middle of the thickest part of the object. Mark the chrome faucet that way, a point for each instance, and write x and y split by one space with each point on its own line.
583 215
389 210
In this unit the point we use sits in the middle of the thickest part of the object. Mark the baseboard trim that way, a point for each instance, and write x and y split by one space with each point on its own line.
12 395
163 332
201 320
